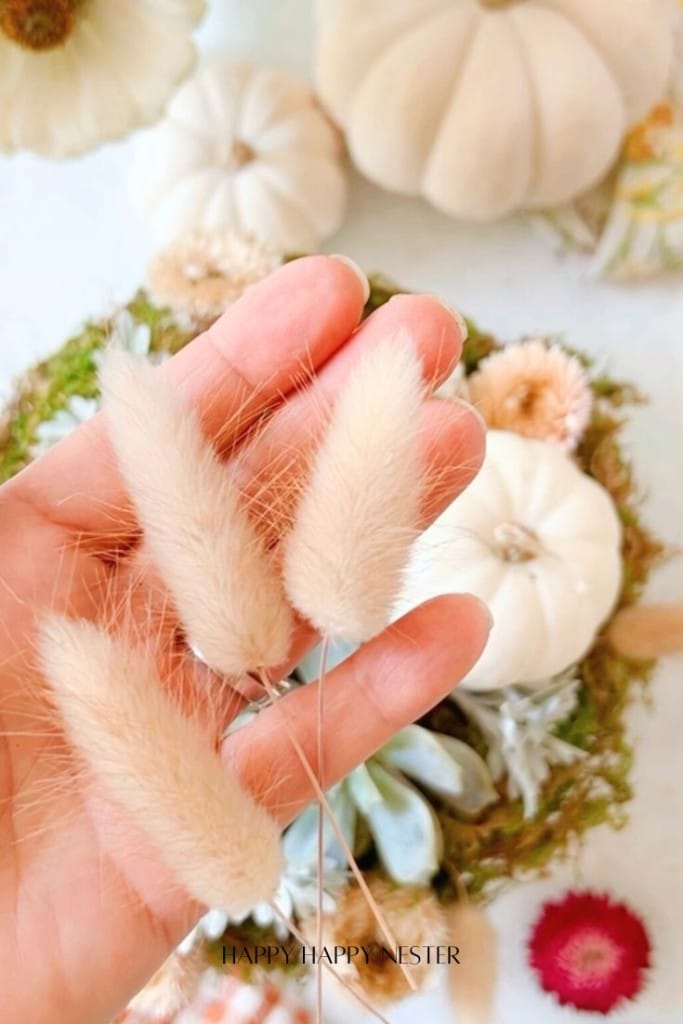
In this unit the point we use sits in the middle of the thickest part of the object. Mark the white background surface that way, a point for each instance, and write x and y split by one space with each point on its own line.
70 245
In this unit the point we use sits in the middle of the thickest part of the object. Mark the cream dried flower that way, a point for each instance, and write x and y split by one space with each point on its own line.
74 73
203 274
534 389
415 918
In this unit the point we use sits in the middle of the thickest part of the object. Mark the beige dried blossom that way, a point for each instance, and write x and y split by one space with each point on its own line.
534 389
414 917
205 273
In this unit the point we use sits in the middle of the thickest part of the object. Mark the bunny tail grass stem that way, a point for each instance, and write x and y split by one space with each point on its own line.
339 834
473 982
346 554
227 594
645 632
158 766
300 938
321 824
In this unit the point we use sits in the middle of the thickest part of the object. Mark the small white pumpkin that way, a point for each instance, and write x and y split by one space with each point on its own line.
243 149
540 543
487 106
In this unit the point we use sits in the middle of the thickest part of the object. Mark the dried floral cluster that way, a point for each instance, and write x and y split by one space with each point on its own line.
467 765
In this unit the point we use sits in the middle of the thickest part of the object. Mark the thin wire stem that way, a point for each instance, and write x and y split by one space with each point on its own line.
341 838
321 827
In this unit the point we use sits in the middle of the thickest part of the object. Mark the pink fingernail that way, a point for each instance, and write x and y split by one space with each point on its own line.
360 274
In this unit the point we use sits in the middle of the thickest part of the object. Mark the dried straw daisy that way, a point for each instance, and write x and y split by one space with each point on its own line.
415 918
206 272
534 389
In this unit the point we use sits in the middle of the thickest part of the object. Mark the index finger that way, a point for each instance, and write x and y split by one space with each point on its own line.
266 345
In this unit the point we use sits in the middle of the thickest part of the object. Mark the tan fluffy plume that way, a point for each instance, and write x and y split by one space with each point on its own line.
648 631
158 766
358 517
226 593
473 981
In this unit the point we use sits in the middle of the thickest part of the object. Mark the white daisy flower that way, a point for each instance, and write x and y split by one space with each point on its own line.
74 73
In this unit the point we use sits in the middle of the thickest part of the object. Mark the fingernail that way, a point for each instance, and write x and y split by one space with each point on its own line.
458 317
360 274
472 409
485 610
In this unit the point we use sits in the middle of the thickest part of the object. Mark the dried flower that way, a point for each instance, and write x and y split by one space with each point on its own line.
590 952
202 275
534 389
346 553
73 74
226 1000
222 846
414 917
196 525
473 985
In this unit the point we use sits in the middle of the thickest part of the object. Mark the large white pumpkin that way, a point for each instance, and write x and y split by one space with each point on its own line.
245 149
486 106
540 543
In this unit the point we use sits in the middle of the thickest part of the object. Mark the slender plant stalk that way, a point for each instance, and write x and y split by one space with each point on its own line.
341 838
328 967
321 827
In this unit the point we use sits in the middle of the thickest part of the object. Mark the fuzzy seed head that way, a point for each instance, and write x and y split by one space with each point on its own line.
229 598
345 556
159 767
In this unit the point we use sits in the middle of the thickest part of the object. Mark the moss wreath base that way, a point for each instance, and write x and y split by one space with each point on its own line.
501 843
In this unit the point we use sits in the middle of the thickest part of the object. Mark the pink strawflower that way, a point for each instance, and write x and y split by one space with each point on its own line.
590 952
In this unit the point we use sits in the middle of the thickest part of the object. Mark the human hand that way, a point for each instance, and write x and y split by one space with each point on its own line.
88 909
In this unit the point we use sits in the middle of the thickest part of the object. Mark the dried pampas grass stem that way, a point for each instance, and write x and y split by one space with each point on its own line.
225 590
157 765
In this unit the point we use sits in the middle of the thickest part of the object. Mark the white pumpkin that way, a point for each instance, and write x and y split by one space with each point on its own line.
245 149
540 543
487 106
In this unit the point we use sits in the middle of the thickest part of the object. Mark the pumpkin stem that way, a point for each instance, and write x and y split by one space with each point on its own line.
516 543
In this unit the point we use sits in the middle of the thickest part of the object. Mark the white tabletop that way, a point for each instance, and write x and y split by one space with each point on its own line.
71 246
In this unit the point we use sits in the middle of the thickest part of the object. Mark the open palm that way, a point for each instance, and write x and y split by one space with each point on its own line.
88 909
